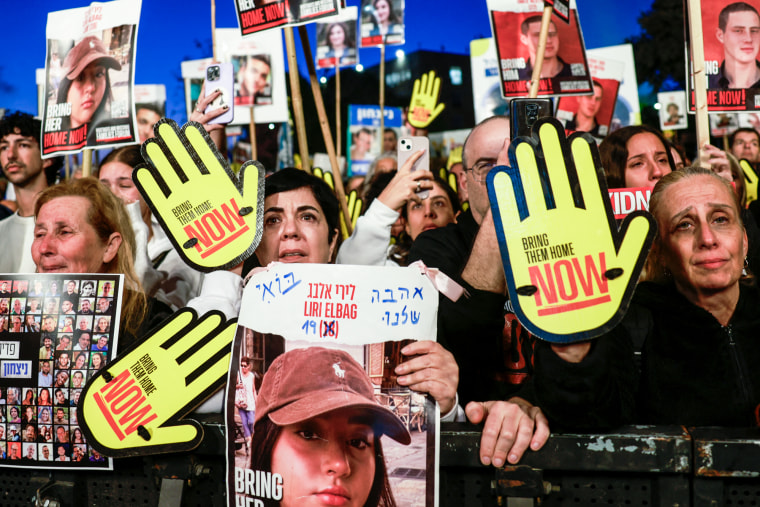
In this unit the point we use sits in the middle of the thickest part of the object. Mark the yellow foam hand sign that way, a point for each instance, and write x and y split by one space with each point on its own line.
354 203
213 218
570 272
750 181
135 404
424 107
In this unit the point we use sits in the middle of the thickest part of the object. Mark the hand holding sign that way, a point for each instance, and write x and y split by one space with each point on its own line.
133 406
213 218
424 107
570 272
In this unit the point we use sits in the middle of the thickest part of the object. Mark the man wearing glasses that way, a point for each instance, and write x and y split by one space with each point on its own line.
492 350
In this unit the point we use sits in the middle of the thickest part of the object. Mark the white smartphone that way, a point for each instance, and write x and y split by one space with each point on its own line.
408 146
220 76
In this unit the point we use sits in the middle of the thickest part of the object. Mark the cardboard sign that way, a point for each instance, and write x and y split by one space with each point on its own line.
257 15
134 406
672 110
570 271
93 46
352 367
731 66
516 26
341 301
336 40
561 8
627 108
56 333
486 80
213 217
364 134
627 200
593 113
382 22
259 74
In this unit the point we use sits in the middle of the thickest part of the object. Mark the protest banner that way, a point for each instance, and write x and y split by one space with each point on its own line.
257 15
627 200
516 26
570 270
627 109
314 371
134 406
382 23
730 62
363 131
212 216
593 113
672 110
150 105
336 40
90 77
561 8
259 74
56 333
424 106
486 80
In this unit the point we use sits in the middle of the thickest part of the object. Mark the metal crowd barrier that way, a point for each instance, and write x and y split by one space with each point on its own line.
634 466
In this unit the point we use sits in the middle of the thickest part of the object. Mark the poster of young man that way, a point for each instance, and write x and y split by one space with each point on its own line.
627 109
90 77
150 104
593 113
296 397
336 41
259 74
364 134
672 110
516 26
257 15
45 361
382 22
731 35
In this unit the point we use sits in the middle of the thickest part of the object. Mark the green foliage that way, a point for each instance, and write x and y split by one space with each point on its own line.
659 50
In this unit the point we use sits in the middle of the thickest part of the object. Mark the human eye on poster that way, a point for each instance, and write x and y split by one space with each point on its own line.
336 41
382 22
516 26
56 332
731 40
299 387
89 70
257 15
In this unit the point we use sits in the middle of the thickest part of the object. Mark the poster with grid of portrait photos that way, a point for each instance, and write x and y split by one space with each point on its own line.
56 332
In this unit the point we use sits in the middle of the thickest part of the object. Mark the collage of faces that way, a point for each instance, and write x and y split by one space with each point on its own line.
66 325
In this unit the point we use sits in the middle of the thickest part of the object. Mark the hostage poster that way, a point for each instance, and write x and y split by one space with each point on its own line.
89 69
312 376
516 26
256 15
731 45
56 332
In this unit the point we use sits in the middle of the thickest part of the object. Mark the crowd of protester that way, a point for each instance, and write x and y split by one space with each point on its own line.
691 323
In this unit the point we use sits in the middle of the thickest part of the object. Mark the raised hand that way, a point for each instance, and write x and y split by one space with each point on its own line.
570 272
424 107
135 404
213 218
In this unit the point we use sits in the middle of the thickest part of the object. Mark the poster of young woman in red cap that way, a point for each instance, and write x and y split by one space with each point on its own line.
319 416
89 77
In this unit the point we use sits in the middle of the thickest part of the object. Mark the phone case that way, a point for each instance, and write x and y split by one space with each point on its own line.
525 112
221 76
408 146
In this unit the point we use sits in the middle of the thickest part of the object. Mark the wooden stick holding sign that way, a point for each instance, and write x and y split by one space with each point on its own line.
297 101
86 162
536 77
325 125
252 127
382 90
699 77
338 126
